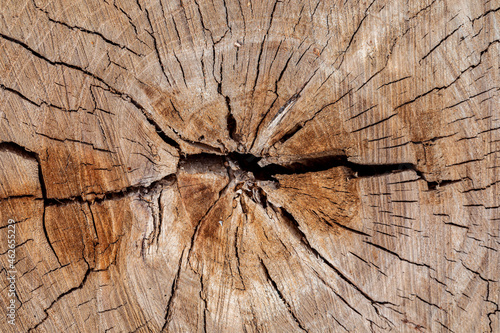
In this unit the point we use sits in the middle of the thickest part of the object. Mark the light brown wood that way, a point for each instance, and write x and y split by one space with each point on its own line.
250 166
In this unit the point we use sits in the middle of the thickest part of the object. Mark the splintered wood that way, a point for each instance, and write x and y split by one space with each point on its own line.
254 166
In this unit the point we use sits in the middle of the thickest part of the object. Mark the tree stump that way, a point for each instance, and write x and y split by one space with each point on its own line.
250 166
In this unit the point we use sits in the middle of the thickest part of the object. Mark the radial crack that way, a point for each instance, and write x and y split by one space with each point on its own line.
282 298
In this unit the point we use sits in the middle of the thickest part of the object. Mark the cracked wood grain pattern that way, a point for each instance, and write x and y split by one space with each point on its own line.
251 166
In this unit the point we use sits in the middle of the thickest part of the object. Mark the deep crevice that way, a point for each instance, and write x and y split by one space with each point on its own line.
248 162
291 133
161 133
231 123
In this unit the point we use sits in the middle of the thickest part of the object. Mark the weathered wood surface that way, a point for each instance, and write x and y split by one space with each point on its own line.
127 132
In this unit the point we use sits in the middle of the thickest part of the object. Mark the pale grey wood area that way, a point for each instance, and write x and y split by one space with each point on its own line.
251 166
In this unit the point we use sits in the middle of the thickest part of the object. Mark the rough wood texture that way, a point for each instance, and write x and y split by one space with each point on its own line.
251 166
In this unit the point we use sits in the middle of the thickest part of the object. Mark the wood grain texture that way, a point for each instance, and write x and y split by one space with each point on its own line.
251 166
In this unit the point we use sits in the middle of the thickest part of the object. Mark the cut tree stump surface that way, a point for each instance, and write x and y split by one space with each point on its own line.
251 166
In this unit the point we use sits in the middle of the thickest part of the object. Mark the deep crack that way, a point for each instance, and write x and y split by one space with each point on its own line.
251 165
